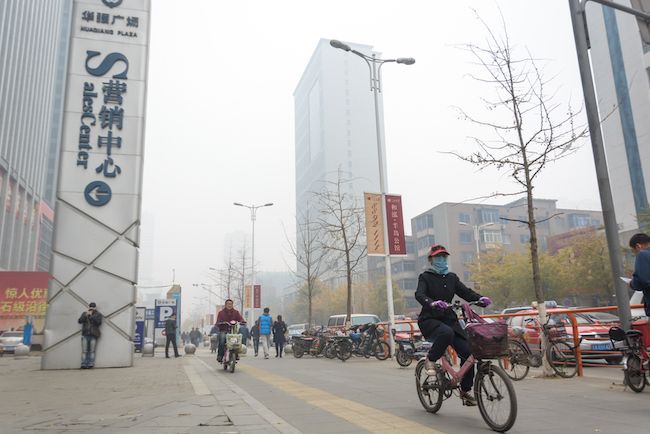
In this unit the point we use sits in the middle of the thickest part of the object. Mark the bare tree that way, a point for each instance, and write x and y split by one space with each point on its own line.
239 271
529 129
341 223
310 257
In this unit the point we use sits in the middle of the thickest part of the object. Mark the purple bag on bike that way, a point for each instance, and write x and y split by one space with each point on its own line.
486 340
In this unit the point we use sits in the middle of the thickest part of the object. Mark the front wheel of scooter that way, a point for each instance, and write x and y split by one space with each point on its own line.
232 360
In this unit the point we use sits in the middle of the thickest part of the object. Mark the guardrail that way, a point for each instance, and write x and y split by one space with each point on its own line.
570 312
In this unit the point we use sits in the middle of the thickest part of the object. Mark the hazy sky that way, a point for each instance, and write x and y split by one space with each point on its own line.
220 112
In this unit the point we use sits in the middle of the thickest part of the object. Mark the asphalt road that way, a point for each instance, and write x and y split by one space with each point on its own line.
317 395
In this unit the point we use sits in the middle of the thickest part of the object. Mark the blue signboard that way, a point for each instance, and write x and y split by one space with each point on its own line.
149 314
164 310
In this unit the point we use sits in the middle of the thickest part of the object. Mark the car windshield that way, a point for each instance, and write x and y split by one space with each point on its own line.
363 319
563 317
603 317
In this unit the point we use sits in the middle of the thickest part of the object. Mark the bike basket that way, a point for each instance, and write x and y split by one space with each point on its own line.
233 340
488 340
556 332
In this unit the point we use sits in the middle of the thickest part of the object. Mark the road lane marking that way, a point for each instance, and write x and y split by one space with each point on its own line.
276 421
200 388
365 417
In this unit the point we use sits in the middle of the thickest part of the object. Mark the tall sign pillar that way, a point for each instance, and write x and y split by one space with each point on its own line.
97 220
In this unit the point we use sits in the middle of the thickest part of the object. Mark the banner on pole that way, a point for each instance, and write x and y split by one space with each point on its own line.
257 296
394 217
374 224
248 297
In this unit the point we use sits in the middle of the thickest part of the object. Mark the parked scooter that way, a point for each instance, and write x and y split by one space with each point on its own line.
409 349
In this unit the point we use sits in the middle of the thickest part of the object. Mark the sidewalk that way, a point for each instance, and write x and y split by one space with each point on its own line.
156 395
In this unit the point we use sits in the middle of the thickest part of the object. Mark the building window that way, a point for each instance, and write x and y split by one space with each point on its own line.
506 239
489 215
465 237
409 265
426 242
467 276
408 284
463 217
492 237
579 220
467 257
525 238
423 222
410 246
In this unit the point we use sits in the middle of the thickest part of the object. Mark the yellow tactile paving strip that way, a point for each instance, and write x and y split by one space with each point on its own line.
364 417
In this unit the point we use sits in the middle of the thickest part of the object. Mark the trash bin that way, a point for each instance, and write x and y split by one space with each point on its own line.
643 326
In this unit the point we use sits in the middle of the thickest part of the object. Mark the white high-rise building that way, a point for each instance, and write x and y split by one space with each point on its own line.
621 68
335 126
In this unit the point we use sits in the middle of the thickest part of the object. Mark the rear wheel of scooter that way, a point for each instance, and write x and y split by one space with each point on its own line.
402 358
298 351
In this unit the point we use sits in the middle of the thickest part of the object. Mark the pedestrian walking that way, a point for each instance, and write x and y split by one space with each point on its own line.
279 330
184 338
245 333
90 322
170 334
266 323
640 245
255 334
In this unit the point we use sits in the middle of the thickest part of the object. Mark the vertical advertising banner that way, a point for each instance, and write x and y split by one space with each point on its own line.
374 223
97 216
394 217
257 296
22 294
248 297
138 337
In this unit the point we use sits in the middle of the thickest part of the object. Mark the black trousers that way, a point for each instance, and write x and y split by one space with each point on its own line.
442 337
172 339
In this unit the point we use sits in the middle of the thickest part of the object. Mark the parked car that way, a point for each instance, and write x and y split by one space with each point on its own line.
595 336
338 321
9 340
550 304
294 330
603 317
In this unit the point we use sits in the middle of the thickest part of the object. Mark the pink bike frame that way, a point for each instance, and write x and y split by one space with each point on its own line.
457 376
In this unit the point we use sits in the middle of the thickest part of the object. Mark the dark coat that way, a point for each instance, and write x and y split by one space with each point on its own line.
279 329
90 323
432 287
170 328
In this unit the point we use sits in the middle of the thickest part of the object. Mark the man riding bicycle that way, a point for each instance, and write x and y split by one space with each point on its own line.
438 321
227 314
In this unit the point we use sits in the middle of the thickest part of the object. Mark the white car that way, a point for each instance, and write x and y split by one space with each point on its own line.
10 340
296 330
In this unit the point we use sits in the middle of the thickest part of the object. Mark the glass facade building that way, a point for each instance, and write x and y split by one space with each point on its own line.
34 37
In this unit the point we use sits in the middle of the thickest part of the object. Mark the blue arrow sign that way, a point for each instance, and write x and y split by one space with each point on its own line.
98 193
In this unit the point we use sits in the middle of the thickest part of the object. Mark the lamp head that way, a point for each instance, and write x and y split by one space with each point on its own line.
405 60
340 45
268 204
237 204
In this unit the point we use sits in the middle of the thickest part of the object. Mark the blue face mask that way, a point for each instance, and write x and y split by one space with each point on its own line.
439 265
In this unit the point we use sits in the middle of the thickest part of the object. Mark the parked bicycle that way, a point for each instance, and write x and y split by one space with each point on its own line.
635 357
312 342
561 353
493 389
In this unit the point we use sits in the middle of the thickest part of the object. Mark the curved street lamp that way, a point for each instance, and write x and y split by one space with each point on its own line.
374 65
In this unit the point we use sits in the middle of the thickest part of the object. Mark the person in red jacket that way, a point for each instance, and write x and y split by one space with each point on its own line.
227 314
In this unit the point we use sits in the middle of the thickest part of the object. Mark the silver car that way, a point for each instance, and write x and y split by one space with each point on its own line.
10 340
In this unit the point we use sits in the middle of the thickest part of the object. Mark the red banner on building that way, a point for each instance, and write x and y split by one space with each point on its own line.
394 217
257 296
22 294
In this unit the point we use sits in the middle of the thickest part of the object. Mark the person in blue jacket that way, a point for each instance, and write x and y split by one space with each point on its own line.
266 323
640 245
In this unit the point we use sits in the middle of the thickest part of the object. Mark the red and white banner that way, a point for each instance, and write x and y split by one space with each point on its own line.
22 294
394 217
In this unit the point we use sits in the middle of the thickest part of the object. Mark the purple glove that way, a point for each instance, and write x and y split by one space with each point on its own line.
440 304
485 301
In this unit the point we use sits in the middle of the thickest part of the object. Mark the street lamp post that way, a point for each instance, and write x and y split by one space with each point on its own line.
253 209
374 66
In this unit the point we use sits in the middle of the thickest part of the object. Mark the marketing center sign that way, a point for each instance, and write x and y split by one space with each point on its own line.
100 181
